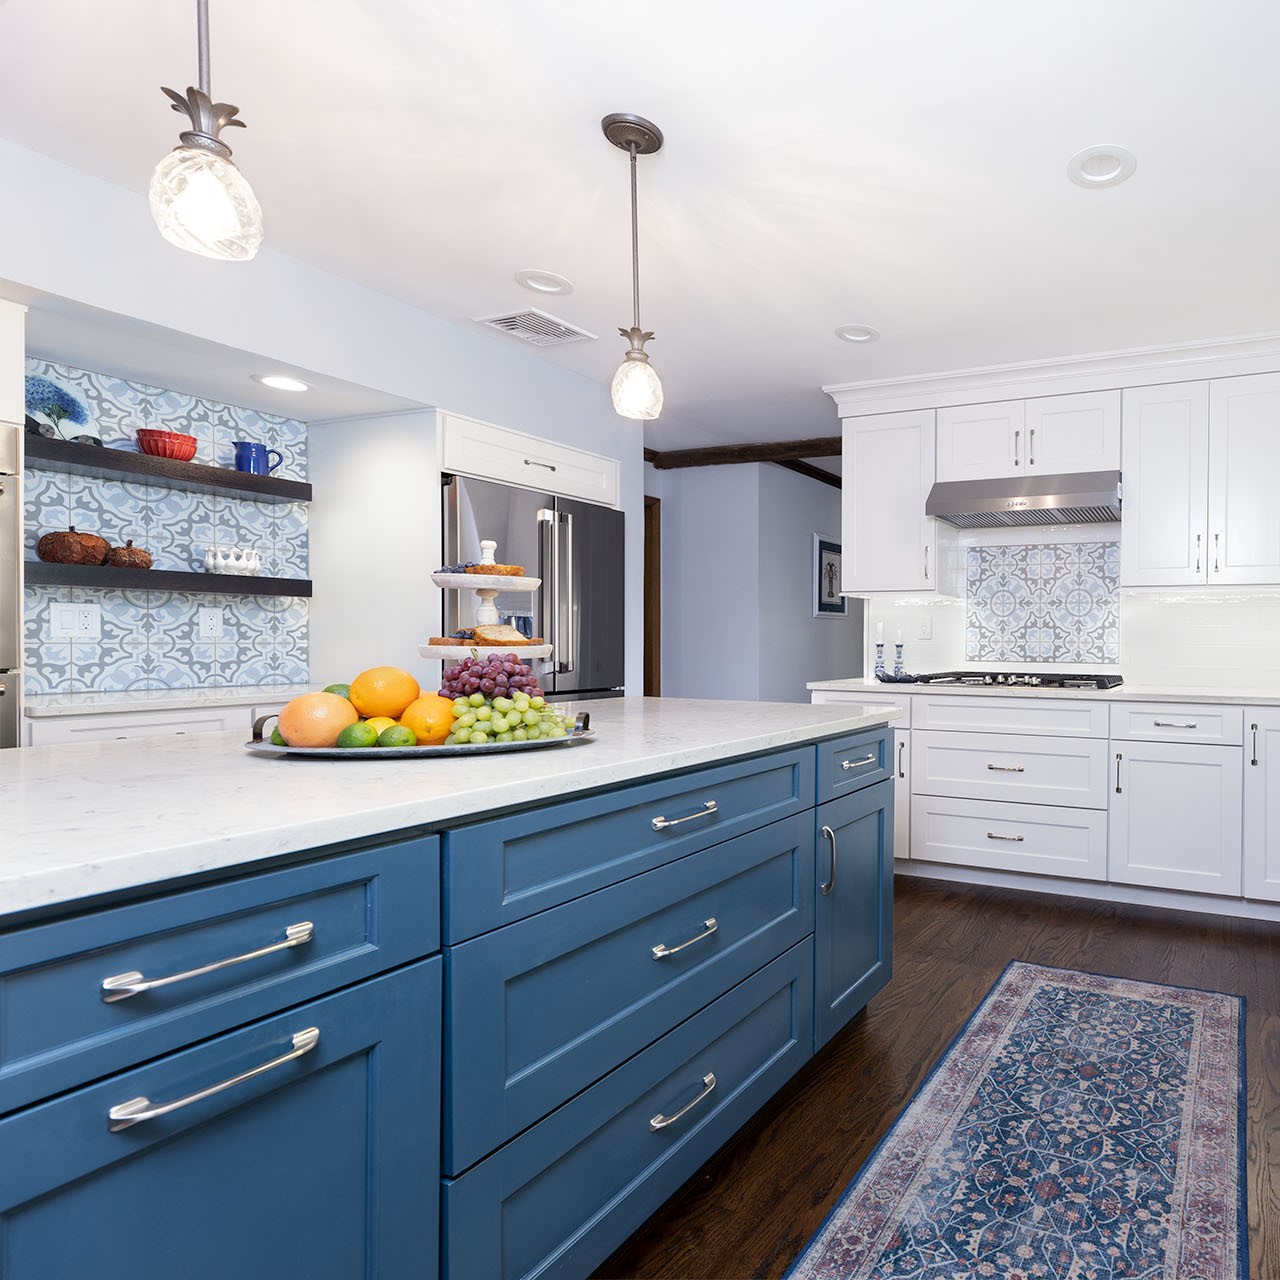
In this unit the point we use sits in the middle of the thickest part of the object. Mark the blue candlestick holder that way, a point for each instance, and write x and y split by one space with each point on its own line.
879 658
897 659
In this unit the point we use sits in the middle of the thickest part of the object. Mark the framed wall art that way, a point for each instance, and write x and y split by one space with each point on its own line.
827 600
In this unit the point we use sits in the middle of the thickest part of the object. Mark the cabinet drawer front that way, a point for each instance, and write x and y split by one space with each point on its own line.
1174 722
504 870
1010 837
853 762
545 1007
559 1198
369 911
324 1165
1026 713
1070 771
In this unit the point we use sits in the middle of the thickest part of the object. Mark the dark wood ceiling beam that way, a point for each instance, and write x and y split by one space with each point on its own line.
814 473
721 455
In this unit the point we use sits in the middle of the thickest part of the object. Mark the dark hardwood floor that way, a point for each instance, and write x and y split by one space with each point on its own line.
752 1207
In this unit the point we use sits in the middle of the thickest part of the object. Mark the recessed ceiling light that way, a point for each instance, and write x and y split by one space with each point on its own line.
543 282
857 333
1101 166
280 382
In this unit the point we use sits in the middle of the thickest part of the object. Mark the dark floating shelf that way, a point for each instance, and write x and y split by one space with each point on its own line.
98 460
108 577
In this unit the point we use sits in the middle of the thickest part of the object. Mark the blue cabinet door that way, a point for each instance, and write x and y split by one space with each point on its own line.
325 1165
853 922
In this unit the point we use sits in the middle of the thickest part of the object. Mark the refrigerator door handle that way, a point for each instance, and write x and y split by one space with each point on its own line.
568 654
549 596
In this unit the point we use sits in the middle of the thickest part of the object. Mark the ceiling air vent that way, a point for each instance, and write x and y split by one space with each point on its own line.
532 325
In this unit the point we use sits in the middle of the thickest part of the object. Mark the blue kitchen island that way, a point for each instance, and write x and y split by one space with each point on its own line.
435 1017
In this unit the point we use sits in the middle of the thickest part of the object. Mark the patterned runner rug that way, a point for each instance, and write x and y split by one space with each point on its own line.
1079 1128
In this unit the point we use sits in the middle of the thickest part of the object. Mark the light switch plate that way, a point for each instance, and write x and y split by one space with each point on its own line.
75 621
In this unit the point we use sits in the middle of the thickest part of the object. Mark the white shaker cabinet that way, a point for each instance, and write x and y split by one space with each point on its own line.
1049 435
1175 816
1262 803
1199 463
889 544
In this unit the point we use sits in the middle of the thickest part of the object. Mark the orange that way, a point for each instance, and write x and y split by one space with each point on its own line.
430 717
315 719
383 691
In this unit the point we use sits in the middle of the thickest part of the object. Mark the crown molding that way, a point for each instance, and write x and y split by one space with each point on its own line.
1104 371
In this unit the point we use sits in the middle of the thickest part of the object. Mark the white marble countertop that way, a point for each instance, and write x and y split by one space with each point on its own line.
85 704
89 818
1125 692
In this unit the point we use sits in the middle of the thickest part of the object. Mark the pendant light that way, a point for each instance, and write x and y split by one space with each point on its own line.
199 199
637 390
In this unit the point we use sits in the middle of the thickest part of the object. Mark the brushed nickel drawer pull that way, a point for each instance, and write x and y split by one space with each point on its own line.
660 1121
831 883
1118 759
1031 448
991 835
1198 553
1254 761
661 824
1173 724
136 1110
1007 768
123 985
902 746
530 462
709 926
846 765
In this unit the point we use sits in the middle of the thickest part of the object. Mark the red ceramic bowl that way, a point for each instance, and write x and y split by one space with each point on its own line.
167 444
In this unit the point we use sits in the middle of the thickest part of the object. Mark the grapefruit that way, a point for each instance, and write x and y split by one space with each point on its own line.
315 719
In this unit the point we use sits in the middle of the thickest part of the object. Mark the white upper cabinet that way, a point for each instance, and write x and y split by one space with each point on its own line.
888 543
13 317
1199 496
1050 435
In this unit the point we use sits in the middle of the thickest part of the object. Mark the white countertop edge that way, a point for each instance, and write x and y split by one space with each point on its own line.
1124 693
240 808
41 705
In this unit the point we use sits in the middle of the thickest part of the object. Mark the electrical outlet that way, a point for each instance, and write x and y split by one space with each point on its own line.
210 622
925 630
88 622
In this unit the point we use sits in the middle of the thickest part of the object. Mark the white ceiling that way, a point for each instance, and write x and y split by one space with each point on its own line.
827 162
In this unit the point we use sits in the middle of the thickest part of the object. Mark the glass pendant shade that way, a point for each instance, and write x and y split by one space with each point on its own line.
637 390
203 203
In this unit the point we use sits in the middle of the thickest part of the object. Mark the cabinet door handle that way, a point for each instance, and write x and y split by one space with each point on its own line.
1118 758
1007 768
661 824
660 1121
1031 448
991 835
136 1110
1174 724
1016 436
902 746
709 926
846 765
831 883
1216 569
1198 536
532 462
1254 761
123 985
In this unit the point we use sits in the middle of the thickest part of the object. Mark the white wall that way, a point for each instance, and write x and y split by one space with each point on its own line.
73 235
737 596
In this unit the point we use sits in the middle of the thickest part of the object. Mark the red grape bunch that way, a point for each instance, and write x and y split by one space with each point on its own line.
499 675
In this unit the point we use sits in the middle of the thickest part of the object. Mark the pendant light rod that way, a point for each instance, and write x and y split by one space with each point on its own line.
202 42
635 244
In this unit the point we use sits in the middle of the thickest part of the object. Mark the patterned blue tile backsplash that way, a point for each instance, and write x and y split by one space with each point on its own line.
150 639
1051 603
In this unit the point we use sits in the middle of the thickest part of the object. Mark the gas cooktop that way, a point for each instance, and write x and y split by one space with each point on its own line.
1012 679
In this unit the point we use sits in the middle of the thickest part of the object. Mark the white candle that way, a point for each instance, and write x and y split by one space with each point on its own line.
899 635
879 632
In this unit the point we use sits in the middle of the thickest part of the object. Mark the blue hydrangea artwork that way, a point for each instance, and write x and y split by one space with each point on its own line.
53 403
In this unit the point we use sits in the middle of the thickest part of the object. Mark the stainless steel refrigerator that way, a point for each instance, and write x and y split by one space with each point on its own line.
576 548
10 592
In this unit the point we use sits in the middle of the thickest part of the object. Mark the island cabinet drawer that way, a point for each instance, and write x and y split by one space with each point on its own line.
851 763
1170 722
545 1007
1058 771
1024 713
89 995
509 868
1046 840
561 1197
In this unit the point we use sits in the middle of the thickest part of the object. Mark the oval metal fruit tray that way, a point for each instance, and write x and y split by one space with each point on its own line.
257 745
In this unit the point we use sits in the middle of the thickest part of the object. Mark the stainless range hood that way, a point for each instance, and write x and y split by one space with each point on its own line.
1085 497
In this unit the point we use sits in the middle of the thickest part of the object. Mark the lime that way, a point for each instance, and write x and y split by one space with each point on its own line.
342 690
398 735
277 738
360 734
